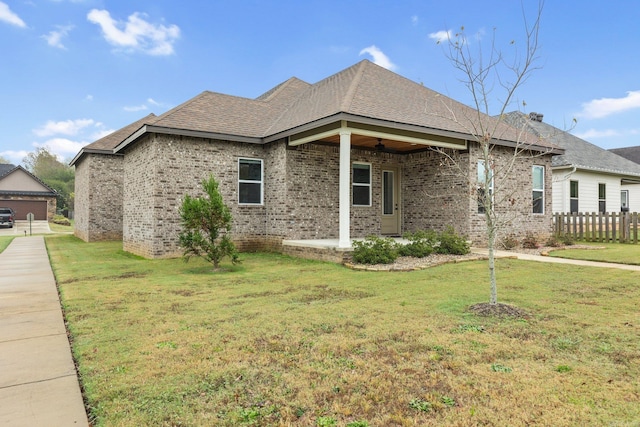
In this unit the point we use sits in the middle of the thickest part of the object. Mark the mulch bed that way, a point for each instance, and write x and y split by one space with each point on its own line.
486 309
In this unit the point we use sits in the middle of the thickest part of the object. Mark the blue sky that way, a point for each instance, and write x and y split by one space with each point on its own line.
74 70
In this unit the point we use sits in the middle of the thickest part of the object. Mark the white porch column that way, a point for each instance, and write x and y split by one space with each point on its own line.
345 199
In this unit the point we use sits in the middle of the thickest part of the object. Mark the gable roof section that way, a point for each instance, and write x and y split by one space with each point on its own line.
106 144
10 178
578 152
629 153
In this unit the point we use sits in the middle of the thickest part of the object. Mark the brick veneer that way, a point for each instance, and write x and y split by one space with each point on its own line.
301 192
98 197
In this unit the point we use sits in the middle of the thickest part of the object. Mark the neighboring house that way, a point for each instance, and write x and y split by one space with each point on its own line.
347 157
586 178
25 193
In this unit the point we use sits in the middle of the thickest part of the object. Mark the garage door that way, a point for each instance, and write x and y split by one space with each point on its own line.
22 207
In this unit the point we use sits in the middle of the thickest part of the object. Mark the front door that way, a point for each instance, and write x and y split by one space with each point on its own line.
390 201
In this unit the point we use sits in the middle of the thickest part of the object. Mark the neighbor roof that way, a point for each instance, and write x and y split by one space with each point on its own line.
578 152
8 169
5 168
630 153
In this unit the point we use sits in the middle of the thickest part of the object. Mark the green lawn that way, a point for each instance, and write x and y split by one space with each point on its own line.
606 252
4 242
284 341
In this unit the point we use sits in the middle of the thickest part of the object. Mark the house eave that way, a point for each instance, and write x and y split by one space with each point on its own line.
86 151
624 176
146 129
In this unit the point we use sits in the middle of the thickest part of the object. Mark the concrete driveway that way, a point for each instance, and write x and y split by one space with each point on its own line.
20 227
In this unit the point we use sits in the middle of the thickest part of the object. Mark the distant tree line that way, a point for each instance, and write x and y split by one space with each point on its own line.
56 174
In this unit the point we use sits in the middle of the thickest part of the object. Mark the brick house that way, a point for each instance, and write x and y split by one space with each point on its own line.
362 152
25 193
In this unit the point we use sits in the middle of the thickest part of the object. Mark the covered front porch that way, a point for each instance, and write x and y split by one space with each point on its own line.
375 167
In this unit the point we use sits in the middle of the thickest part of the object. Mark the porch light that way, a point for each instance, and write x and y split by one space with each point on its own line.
379 145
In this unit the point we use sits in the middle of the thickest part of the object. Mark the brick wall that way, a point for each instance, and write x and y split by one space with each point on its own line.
435 193
513 196
98 197
301 186
161 169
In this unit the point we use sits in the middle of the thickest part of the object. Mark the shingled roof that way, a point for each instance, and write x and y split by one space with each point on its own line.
578 152
363 92
105 145
630 153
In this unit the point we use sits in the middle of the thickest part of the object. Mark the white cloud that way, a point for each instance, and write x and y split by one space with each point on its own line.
54 38
135 108
414 20
441 36
89 98
379 57
594 134
66 127
604 107
15 157
61 147
136 33
10 17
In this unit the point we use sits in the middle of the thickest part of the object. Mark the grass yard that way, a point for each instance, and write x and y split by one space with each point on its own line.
606 252
4 242
284 341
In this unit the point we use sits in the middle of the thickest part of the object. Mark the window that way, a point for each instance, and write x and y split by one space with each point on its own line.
624 200
250 181
573 196
602 197
538 189
361 188
481 186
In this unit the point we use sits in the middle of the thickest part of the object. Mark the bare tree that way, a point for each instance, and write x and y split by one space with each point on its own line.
493 78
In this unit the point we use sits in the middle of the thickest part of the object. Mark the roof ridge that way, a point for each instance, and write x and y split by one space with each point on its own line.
347 100
274 91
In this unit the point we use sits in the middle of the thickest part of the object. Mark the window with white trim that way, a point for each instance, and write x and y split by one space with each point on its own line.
538 189
573 196
361 184
250 181
481 187
602 197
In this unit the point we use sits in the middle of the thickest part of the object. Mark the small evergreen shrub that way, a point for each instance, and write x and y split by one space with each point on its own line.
530 241
375 250
451 243
421 244
60 220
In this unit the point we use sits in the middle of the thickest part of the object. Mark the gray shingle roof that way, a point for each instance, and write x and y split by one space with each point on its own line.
578 152
630 153
5 168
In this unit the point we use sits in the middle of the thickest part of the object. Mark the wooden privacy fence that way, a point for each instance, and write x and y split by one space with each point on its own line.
598 226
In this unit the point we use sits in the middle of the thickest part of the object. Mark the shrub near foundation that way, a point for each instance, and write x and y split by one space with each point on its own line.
375 250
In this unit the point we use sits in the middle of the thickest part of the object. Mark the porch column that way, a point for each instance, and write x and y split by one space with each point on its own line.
345 200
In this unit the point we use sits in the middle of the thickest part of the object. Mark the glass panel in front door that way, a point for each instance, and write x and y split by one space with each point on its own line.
387 193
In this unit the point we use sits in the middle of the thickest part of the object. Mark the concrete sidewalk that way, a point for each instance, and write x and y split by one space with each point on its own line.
554 260
38 381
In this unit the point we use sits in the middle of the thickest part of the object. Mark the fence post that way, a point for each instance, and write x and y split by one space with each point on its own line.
635 227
